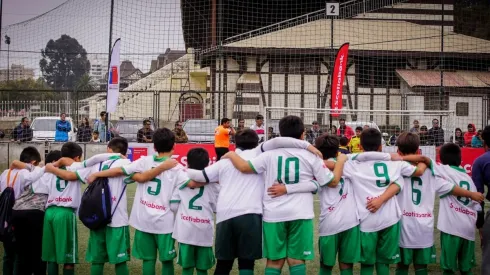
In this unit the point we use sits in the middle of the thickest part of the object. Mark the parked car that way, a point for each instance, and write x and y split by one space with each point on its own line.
200 130
44 128
128 129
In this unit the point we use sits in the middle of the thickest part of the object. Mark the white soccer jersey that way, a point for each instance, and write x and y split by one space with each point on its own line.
19 179
416 201
259 130
120 217
289 166
151 207
194 223
457 215
370 180
62 192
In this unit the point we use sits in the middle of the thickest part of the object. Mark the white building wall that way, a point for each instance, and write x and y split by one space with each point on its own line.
474 116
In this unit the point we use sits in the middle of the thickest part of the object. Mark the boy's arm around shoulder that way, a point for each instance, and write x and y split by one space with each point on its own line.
63 174
337 171
241 164
155 172
375 204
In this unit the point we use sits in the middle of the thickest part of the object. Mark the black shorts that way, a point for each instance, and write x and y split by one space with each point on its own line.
239 237
221 151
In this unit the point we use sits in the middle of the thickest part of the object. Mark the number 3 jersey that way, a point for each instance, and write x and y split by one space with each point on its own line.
417 204
457 215
151 207
194 223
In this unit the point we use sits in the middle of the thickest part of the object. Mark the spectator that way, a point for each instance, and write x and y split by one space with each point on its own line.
344 130
436 134
394 137
333 130
313 133
458 137
270 133
99 126
23 131
477 141
355 141
241 125
415 128
222 138
468 136
343 149
145 134
63 127
95 137
180 135
84 133
258 127
2 134
366 127
423 136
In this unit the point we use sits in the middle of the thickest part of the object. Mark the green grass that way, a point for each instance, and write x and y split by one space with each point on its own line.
312 266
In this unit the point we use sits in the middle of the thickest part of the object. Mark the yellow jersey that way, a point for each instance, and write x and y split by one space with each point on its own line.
222 137
355 145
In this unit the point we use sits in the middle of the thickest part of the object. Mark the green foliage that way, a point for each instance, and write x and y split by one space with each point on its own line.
85 83
26 89
471 17
64 62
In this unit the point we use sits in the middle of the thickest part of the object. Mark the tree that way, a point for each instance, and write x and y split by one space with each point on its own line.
25 89
64 62
85 83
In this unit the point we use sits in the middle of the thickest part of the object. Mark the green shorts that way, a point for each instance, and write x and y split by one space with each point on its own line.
457 253
109 244
347 243
291 239
200 257
60 237
381 246
418 256
239 237
145 246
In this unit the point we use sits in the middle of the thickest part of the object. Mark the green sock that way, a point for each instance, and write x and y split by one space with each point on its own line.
447 272
97 269
348 271
168 268
325 270
382 269
297 269
149 267
122 269
68 271
403 271
52 268
272 271
464 273
188 271
201 272
245 272
367 269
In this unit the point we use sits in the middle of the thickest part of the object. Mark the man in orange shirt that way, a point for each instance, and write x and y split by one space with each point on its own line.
222 138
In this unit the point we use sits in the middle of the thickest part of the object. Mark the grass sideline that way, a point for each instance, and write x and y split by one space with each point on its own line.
135 266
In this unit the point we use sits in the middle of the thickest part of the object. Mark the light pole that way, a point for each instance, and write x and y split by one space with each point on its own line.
7 41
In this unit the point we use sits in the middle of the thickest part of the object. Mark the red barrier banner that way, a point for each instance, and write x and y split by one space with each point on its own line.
338 75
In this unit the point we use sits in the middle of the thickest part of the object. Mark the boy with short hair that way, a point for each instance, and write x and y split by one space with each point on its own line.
457 215
343 148
355 141
417 204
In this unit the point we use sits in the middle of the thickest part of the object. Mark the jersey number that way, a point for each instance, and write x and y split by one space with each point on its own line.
59 184
381 171
416 193
195 198
464 185
158 187
287 170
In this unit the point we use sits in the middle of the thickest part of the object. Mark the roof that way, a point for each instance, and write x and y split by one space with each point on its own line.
127 69
458 79
366 35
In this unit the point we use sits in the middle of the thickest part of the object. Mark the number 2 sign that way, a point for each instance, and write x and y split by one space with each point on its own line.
333 9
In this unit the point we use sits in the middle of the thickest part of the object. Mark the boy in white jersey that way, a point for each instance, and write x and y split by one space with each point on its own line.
370 179
151 215
457 215
288 220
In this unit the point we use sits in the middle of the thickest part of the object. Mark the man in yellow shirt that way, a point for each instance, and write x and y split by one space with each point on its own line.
355 141
222 137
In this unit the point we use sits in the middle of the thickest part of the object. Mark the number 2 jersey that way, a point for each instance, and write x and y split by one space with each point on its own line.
457 215
194 221
151 207
417 204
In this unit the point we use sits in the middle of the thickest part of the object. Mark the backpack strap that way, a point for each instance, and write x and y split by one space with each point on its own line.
8 178
122 193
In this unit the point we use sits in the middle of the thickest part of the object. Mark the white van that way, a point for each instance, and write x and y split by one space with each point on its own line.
44 128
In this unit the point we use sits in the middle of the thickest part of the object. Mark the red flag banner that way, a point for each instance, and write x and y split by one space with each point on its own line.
338 76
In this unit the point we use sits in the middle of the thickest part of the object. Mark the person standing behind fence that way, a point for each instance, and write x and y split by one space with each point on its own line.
23 131
99 126
84 133
180 135
436 133
145 134
63 127
222 138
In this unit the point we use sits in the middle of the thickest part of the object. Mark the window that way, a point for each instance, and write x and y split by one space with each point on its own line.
462 108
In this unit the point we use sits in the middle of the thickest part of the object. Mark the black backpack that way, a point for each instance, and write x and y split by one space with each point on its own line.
95 207
7 200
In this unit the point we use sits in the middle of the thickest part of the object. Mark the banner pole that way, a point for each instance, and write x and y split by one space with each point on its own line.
108 68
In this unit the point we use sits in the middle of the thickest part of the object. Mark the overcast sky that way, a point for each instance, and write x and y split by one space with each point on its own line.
15 11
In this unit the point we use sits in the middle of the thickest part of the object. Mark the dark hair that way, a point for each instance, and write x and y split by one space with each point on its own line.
53 156
241 119
291 126
371 140
458 129
408 143
96 132
197 158
163 140
146 120
470 125
435 119
486 135
224 120
71 150
423 127
176 123
23 119
259 117
344 141
119 145
63 114
247 139
450 154
328 145
358 128
103 113
342 119
30 154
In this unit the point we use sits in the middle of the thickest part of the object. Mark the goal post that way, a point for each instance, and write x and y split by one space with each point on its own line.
388 122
